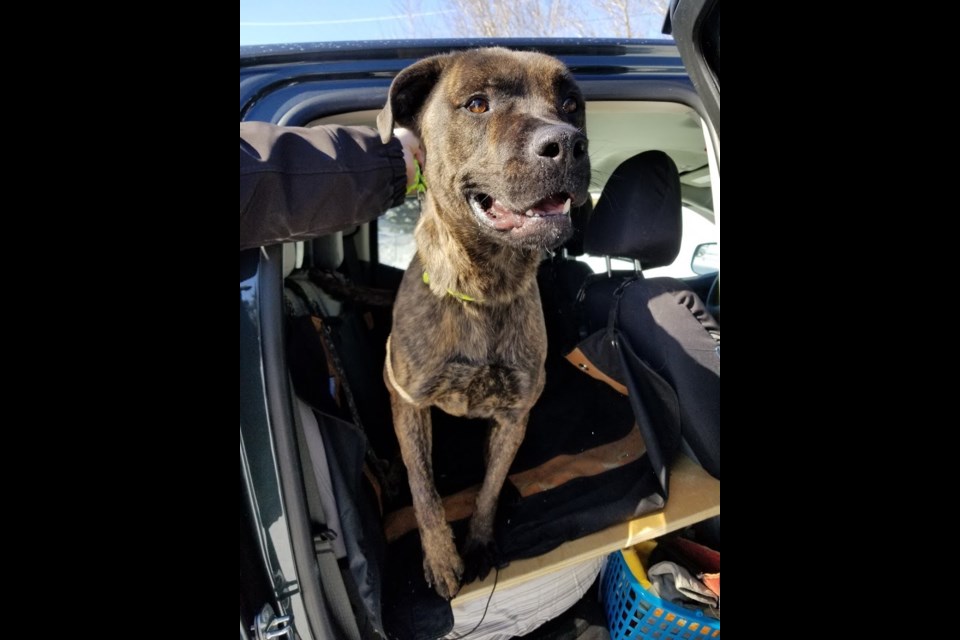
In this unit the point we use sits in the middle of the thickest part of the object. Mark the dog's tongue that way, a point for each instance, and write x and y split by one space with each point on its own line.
504 219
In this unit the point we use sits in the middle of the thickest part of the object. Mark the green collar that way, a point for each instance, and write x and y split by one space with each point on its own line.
462 297
419 186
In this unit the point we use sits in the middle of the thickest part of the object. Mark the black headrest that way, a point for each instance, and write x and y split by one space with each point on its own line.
638 214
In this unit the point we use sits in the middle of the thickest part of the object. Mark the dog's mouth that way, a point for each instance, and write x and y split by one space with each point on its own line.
502 218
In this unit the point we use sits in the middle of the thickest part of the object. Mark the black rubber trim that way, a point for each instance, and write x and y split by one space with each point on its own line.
279 396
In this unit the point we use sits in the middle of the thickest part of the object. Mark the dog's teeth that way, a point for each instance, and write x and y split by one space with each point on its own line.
566 206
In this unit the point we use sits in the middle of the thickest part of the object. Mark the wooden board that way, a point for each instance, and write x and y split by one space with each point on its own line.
694 496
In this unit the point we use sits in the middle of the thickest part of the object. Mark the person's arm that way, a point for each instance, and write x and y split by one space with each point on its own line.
298 183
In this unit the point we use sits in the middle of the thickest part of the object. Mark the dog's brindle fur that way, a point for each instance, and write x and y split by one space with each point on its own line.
482 358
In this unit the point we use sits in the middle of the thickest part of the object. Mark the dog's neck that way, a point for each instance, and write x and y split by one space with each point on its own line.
482 269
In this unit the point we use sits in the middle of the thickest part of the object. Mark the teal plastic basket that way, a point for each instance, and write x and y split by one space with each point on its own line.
633 613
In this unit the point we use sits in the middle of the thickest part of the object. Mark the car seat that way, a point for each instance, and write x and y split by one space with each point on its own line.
669 336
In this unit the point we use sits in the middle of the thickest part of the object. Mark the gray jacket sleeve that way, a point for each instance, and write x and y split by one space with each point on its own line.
298 183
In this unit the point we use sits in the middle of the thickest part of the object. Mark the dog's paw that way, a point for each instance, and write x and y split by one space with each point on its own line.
479 556
443 570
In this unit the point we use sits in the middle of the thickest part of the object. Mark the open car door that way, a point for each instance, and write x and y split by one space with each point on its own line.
695 25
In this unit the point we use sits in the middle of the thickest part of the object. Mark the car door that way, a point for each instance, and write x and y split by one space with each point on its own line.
695 26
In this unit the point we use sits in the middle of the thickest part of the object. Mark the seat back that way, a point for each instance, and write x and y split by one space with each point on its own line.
665 326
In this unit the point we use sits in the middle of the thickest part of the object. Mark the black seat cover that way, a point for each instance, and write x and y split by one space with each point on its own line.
665 324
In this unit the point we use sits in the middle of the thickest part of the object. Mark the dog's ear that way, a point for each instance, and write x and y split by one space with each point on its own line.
408 93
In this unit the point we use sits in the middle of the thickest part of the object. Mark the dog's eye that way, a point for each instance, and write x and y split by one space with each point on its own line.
570 105
478 105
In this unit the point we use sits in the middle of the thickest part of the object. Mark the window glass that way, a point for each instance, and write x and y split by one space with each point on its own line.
395 244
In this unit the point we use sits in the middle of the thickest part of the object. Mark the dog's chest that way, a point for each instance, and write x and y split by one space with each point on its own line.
493 367
479 391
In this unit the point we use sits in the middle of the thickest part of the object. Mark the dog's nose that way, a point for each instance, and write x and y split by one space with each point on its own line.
559 143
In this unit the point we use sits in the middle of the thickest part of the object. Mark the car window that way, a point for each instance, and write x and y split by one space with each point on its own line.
395 244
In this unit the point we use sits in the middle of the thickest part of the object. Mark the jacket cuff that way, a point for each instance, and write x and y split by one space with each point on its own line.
394 151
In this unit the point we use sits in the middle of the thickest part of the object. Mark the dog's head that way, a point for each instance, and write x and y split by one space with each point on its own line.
505 141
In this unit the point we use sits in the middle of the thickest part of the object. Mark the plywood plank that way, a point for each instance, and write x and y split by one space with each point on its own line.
694 496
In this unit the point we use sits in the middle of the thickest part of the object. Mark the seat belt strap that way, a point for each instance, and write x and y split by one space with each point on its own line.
331 579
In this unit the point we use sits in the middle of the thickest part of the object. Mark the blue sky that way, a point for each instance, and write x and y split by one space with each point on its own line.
274 21
280 21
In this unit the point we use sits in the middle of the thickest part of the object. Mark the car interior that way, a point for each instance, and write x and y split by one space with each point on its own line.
575 492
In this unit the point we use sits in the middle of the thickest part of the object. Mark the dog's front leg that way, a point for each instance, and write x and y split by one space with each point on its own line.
504 439
442 566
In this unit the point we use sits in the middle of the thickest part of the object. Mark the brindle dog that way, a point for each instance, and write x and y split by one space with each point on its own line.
506 158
